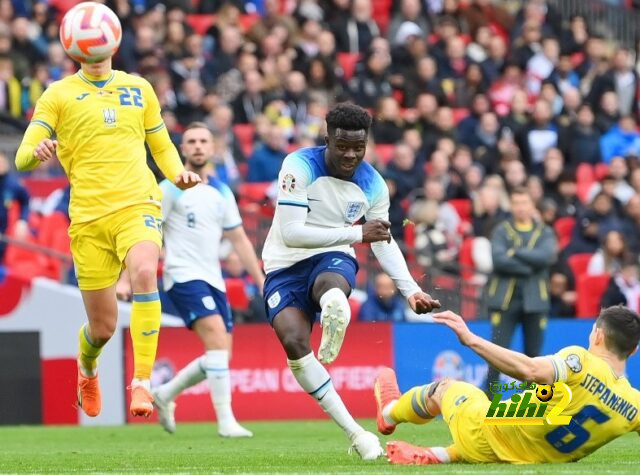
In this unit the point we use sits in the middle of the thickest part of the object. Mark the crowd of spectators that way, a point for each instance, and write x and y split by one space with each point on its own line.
475 98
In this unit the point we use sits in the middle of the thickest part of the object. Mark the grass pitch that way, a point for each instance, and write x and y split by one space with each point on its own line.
278 447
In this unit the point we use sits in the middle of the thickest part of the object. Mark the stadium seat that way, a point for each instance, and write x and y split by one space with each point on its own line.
355 309
590 289
237 296
600 171
585 173
409 232
201 22
382 13
564 229
43 187
247 21
253 192
463 207
27 264
385 152
245 134
460 113
347 62
579 263
465 259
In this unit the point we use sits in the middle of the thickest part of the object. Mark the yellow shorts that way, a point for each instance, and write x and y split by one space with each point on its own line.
99 247
464 408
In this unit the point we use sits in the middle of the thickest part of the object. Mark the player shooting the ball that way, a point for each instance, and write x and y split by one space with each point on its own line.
603 404
101 119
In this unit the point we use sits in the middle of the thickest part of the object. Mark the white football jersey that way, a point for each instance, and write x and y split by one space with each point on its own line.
331 203
194 221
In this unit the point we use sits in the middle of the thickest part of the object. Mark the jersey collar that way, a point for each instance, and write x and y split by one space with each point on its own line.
99 84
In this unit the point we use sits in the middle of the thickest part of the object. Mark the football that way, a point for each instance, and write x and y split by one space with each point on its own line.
90 32
544 392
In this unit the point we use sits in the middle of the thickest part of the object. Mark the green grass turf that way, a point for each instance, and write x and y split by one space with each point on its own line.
301 447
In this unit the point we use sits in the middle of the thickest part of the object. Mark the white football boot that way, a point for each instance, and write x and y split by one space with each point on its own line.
367 445
233 430
166 412
334 320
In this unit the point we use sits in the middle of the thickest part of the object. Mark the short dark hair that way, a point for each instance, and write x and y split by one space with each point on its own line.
621 327
519 190
347 116
197 125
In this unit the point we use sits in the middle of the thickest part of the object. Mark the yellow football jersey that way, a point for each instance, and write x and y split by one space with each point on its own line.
101 125
603 407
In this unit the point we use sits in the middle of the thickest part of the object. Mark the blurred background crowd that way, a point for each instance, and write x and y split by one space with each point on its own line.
471 99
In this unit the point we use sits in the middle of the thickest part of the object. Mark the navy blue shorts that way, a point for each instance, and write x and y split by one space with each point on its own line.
292 287
196 299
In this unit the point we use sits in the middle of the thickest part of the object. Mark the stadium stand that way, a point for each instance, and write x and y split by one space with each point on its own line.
457 75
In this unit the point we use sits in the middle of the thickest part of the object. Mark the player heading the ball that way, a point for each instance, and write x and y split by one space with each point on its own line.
97 122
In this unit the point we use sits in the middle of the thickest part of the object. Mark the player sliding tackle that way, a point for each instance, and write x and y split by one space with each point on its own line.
603 405
102 119
310 265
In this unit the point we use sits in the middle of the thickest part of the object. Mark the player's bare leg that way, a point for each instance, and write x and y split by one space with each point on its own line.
293 328
102 316
419 405
142 263
330 291
214 366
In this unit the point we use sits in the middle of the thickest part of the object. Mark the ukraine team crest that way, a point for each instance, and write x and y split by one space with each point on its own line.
109 117
354 208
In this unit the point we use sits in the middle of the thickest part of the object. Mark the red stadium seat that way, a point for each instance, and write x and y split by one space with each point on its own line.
385 152
237 296
253 192
601 170
590 289
347 62
26 263
381 13
463 207
247 21
245 134
410 236
460 113
579 263
355 309
465 259
201 22
564 229
585 174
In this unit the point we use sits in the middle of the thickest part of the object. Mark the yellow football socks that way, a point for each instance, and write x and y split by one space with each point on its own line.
146 313
412 406
88 353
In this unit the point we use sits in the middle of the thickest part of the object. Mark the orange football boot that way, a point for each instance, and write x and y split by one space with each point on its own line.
89 394
402 453
385 390
141 401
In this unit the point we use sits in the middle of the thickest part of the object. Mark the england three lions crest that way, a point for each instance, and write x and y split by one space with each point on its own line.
109 117
354 210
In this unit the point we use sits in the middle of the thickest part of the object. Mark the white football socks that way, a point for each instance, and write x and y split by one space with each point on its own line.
216 364
316 381
188 376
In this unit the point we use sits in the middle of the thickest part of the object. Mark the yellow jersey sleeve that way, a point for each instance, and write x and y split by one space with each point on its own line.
568 364
42 126
162 149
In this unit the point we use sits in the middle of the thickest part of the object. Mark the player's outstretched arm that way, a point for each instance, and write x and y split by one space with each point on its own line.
512 363
246 253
